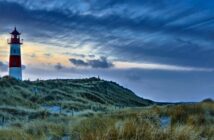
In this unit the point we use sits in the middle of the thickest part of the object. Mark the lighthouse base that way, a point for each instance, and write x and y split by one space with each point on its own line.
16 73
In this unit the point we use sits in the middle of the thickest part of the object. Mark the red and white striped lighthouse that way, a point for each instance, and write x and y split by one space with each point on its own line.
15 65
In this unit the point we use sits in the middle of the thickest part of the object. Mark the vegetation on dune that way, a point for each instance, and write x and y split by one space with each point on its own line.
23 117
188 122
29 100
78 94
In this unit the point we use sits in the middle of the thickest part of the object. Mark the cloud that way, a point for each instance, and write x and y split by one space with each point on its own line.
94 63
159 85
74 54
183 37
100 63
3 67
47 54
24 67
161 45
142 33
160 67
58 66
127 30
78 62
137 34
33 55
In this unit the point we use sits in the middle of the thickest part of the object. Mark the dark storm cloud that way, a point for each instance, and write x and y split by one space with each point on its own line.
113 28
94 63
129 29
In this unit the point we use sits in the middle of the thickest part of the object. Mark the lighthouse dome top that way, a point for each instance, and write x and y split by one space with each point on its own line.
15 32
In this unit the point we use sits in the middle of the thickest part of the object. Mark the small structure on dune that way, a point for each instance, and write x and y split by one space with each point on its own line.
15 65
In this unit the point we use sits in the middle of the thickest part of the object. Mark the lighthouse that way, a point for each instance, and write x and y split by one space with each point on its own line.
15 65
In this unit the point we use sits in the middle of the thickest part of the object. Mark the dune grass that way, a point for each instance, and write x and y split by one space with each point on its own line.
188 122
78 94
102 117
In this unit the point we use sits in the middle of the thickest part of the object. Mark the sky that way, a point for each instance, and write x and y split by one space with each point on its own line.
160 49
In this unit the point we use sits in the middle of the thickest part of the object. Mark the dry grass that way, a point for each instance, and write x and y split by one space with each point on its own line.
14 134
188 122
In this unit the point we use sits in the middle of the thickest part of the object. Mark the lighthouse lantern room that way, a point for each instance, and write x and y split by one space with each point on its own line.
15 65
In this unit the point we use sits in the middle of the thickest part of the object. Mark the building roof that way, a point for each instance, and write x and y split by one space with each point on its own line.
15 32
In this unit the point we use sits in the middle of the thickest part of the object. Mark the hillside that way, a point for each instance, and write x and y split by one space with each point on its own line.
88 109
77 94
